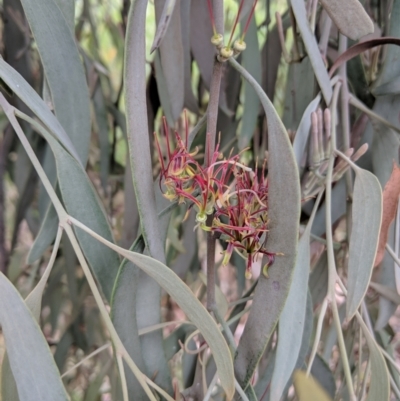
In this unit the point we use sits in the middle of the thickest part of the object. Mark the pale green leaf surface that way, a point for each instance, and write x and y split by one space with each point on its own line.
31 361
200 35
137 127
190 100
292 320
350 17
252 62
313 52
307 388
366 222
28 95
171 56
8 388
63 69
67 7
284 213
187 301
148 291
379 386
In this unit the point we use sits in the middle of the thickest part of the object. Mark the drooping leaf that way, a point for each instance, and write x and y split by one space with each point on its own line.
292 320
28 95
390 195
284 213
188 302
366 221
252 62
311 46
137 127
81 201
31 361
350 17
307 388
200 38
189 99
172 58
63 69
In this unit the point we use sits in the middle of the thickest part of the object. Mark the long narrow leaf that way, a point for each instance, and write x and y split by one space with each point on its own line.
63 69
292 320
367 215
350 17
31 361
284 214
28 95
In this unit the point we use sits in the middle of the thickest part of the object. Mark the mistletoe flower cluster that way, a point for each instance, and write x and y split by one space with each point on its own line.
227 190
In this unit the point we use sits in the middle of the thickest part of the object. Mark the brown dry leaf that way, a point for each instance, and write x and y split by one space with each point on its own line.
390 194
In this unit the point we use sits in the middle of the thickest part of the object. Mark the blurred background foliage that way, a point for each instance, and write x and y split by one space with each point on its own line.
70 318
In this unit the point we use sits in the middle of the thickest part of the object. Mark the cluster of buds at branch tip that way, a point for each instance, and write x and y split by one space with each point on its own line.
239 45
231 192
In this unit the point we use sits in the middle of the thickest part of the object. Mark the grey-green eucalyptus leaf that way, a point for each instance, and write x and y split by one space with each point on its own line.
31 361
45 236
284 214
137 127
366 223
292 320
350 17
252 62
200 38
189 99
311 45
28 95
81 201
172 58
63 69
188 302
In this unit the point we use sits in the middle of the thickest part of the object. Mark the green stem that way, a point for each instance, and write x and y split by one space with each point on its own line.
122 377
